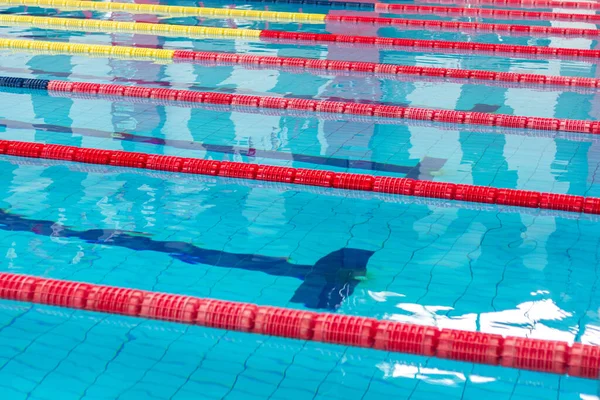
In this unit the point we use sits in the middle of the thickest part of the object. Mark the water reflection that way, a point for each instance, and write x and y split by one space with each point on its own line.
529 319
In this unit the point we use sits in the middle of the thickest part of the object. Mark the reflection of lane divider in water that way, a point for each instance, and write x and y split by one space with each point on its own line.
305 176
305 17
298 64
543 355
250 153
88 25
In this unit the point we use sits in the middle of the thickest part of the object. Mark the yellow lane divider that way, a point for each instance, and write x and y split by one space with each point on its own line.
135 53
91 25
170 10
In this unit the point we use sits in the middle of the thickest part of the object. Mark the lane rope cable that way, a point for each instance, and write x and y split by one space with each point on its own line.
77 24
293 63
578 359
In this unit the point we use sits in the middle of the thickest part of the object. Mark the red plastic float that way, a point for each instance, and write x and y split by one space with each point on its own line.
199 166
165 163
534 354
552 201
92 156
345 329
17 287
584 361
115 300
170 307
591 205
384 184
275 174
59 152
343 180
238 170
285 322
541 355
314 177
61 293
25 149
227 315
482 348
406 338
478 194
518 198
437 190
128 159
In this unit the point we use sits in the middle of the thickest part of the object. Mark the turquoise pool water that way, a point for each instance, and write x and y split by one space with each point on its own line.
494 269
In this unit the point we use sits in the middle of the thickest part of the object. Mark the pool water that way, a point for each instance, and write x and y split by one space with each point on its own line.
488 268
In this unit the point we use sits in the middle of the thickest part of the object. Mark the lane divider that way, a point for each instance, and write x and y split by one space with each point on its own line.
317 106
435 45
86 25
580 360
484 12
316 190
305 176
582 5
460 26
365 119
335 4
171 10
89 25
306 17
293 63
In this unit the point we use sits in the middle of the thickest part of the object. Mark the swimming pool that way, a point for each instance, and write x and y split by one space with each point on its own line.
478 267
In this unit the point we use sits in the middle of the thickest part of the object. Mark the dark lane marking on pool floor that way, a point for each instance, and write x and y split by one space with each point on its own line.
421 170
325 285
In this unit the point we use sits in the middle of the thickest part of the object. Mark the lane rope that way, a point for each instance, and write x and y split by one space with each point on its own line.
365 119
309 105
307 17
582 5
306 176
485 12
294 64
76 24
316 190
170 10
578 359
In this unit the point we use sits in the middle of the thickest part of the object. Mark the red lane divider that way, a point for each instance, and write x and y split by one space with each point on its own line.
304 176
315 190
430 44
579 360
324 106
583 5
459 25
487 129
378 68
485 12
